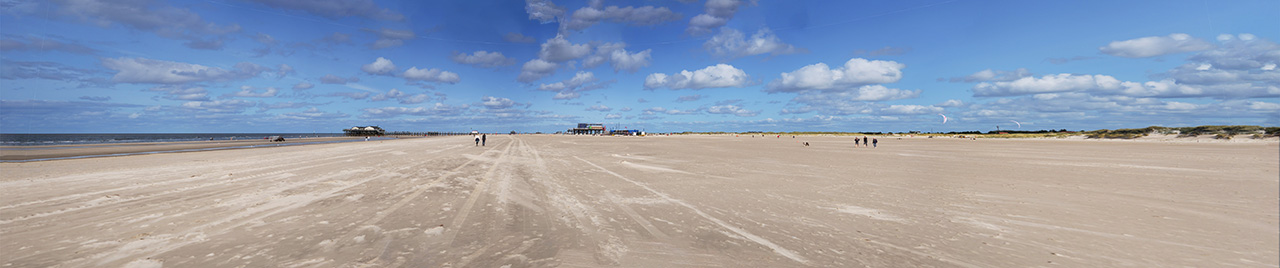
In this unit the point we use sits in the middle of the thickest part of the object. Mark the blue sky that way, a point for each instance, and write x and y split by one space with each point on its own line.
92 66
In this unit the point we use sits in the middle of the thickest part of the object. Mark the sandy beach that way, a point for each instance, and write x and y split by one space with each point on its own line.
661 201
25 153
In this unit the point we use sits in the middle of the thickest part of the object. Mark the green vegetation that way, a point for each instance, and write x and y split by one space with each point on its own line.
1219 132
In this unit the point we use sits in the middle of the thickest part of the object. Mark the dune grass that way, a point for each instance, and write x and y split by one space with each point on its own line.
1220 132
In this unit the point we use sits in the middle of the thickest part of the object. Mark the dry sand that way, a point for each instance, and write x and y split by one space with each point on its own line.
682 201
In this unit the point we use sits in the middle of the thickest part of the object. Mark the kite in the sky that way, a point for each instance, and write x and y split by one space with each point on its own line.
944 118
1016 122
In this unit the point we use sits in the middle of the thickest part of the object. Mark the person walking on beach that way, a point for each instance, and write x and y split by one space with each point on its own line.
856 141
483 139
864 141
477 140
874 143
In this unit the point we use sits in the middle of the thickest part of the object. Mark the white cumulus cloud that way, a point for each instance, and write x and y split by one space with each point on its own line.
1152 46
483 59
646 15
715 76
559 49
1048 84
855 73
431 75
536 69
718 13
730 44
379 66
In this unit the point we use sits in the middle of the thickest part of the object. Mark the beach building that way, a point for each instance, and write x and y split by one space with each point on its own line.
626 132
364 131
588 129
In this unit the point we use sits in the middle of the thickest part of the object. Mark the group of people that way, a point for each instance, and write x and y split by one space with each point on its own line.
864 140
480 139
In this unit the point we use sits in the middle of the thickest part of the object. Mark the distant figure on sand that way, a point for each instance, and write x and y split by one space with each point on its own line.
806 144
864 141
874 143
477 140
483 139
856 140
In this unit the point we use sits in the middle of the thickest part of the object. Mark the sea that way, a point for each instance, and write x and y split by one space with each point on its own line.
71 139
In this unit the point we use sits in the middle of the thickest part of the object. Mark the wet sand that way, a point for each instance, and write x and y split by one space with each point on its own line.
680 201
20 153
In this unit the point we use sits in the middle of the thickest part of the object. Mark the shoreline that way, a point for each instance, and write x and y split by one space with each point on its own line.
20 154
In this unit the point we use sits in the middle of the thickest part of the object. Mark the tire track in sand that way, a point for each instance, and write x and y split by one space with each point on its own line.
461 218
274 171
754 238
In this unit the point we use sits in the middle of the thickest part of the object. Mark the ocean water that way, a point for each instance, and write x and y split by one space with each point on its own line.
61 139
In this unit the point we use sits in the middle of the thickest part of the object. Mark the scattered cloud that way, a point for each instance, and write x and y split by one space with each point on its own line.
262 107
44 114
566 95
859 101
313 114
718 13
855 73
483 59
732 109
989 75
732 44
585 17
431 75
336 9
380 66
251 92
439 109
599 108
951 103
715 76
304 85
572 87
175 92
229 106
148 16
401 96
1152 46
388 38
1047 84
617 56
543 10
689 98
559 49
283 70
13 70
536 69
494 103
143 70
41 44
351 95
